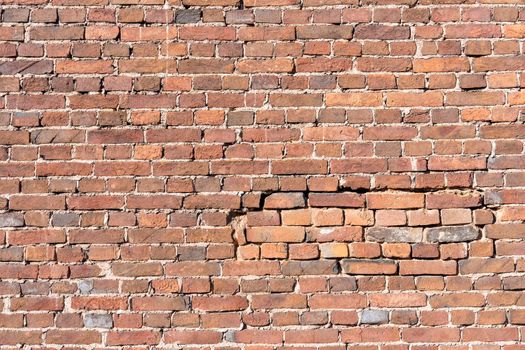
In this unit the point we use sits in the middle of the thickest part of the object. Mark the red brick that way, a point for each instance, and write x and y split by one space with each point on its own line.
137 337
37 303
370 334
490 335
84 67
395 200
311 336
409 99
13 337
29 202
382 32
99 303
25 237
431 335
345 200
441 65
422 267
291 301
369 267
324 32
256 336
472 31
358 165
73 337
372 99
452 200
239 268
28 102
261 174
456 300
193 337
215 303
95 202
158 303
333 301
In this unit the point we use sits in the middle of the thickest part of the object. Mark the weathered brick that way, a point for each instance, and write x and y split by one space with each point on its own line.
137 269
369 267
431 335
158 303
409 99
56 33
374 317
205 66
395 234
366 64
483 265
320 267
56 336
395 200
398 300
365 99
37 303
284 201
441 65
193 337
472 31
98 321
345 200
29 102
337 301
334 250
358 165
275 234
381 32
453 200
311 336
422 267
188 16
445 234
11 220
266 173
136 337
325 32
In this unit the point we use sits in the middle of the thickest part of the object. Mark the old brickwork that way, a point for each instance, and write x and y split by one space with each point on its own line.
259 175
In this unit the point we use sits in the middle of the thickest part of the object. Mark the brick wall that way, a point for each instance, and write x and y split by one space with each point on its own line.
272 174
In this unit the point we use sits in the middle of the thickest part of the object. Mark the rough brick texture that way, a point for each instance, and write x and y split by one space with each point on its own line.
262 174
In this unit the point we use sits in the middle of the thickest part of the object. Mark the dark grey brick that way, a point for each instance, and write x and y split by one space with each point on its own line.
98 321
66 219
11 220
188 16
446 234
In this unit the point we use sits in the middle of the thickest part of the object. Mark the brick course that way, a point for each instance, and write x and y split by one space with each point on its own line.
262 174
